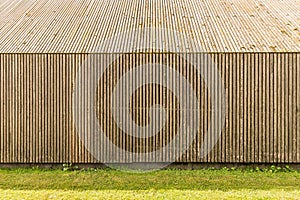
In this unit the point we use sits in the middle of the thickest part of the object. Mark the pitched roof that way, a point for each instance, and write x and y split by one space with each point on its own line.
79 26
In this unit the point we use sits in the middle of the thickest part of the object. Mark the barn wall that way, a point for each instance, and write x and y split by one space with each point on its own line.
262 123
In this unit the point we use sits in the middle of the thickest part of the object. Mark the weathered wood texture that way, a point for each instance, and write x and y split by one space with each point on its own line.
262 119
66 26
254 43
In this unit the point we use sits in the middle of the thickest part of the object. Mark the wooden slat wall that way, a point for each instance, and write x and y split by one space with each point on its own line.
262 120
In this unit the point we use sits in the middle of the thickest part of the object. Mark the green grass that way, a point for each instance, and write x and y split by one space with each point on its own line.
148 194
164 184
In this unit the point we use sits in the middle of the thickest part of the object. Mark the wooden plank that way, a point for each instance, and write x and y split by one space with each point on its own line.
297 59
20 82
229 107
35 107
292 109
3 106
234 150
253 66
272 101
242 104
276 108
282 105
225 130
268 133
239 106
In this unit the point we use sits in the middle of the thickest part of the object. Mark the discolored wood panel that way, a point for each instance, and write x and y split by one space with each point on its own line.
261 120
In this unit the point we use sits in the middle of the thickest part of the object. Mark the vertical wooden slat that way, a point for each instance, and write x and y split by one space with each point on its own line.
233 65
60 83
216 93
244 105
297 60
49 111
270 65
291 107
19 130
29 108
2 62
3 106
14 99
187 129
248 102
69 111
225 129
214 151
207 107
288 112
276 108
279 107
73 140
259 57
229 100
267 95
162 96
252 102
43 118
10 110
53 108
36 113
282 106
36 107
263 152
195 80
293 128
255 136
238 81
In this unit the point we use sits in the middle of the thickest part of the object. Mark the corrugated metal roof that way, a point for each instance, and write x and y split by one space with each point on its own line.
79 26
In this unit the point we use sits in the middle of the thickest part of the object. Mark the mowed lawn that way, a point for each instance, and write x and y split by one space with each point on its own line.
164 184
